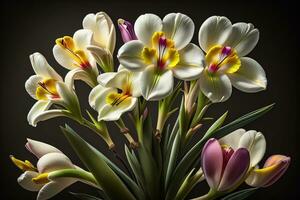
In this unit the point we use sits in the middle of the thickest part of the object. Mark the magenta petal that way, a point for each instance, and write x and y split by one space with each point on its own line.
235 169
212 162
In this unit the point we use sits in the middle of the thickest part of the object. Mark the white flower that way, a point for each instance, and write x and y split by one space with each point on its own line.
50 159
225 46
48 88
117 93
104 38
72 53
163 50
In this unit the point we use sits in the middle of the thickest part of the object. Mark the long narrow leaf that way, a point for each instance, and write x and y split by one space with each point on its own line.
240 195
111 184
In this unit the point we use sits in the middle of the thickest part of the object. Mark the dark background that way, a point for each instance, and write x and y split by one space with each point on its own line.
33 27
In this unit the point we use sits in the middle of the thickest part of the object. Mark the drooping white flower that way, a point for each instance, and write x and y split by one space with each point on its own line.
117 93
225 46
163 50
48 88
40 178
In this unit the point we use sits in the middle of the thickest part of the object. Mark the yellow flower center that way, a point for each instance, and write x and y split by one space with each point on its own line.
47 90
41 179
78 55
222 58
162 53
23 165
124 96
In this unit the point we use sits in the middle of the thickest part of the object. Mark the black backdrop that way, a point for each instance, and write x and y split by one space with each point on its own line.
32 26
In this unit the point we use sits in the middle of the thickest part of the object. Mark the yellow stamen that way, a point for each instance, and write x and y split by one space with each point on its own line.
23 165
41 179
47 90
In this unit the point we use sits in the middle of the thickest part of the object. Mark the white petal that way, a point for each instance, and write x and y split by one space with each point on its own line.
243 38
40 148
114 79
78 74
63 57
214 31
101 55
97 97
232 139
130 55
67 95
25 181
191 63
38 108
251 77
54 187
216 87
156 86
45 115
180 28
145 26
256 144
42 68
82 38
54 161
31 85
113 113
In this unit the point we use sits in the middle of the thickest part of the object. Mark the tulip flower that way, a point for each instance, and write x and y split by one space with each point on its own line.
117 93
273 169
48 88
72 54
104 38
224 167
43 178
225 65
163 50
127 31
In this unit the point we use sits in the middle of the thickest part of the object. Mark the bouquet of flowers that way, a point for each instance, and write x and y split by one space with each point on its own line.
157 65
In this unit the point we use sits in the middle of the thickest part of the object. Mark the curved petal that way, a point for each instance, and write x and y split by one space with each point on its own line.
40 148
78 74
250 77
243 38
45 115
82 38
191 63
212 162
145 26
180 28
130 55
54 187
274 168
97 97
54 161
68 97
38 108
233 138
42 68
32 84
63 57
216 87
214 31
156 85
114 79
113 113
25 181
235 169
103 29
256 144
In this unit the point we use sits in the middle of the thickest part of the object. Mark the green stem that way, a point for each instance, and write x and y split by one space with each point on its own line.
211 195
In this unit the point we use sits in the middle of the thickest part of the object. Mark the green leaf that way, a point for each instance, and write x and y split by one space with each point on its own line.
192 155
111 184
240 195
83 196
215 126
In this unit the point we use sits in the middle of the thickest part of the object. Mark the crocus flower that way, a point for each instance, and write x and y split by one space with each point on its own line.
225 46
72 53
127 31
104 38
224 167
273 169
117 93
163 50
48 88
40 178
